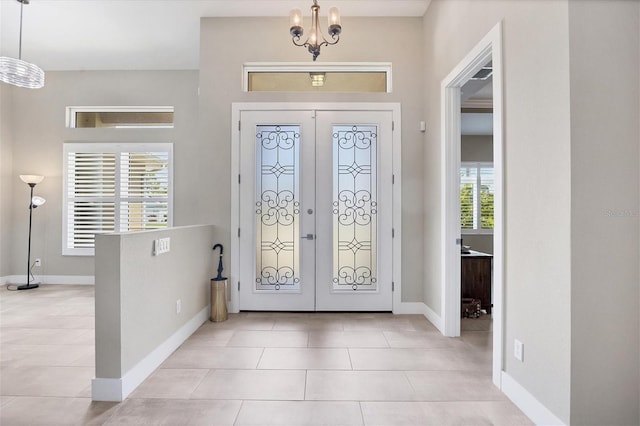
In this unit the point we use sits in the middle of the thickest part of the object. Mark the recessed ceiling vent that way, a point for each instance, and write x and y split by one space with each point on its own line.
485 73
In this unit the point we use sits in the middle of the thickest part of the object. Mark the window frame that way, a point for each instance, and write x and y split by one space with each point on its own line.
72 111
118 149
325 67
478 165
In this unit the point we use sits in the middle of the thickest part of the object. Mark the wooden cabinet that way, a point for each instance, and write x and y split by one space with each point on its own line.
476 277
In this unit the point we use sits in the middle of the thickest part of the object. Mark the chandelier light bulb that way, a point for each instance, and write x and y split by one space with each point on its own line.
315 40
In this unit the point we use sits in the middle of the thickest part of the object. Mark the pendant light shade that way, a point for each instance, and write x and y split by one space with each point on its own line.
18 72
21 73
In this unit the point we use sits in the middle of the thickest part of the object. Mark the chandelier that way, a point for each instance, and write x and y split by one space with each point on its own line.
18 72
315 40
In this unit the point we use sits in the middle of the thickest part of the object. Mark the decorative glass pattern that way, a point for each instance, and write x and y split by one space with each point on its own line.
355 208
277 207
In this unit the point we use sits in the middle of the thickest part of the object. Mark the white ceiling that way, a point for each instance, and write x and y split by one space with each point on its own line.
146 34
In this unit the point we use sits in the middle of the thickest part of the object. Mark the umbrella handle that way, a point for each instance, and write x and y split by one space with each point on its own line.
219 277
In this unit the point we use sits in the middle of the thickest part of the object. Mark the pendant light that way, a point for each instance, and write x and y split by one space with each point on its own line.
18 72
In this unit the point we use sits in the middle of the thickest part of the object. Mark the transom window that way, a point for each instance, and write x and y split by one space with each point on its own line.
111 187
337 77
114 117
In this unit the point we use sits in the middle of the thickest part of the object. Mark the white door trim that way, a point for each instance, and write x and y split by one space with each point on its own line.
238 107
489 48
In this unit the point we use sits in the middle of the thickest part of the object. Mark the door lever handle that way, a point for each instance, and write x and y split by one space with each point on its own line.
308 237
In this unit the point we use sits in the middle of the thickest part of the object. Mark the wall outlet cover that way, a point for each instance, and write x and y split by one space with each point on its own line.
518 350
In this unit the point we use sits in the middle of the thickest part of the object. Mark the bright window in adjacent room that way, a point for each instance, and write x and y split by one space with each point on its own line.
476 198
111 187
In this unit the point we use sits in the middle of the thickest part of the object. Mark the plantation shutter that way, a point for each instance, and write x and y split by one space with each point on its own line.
476 197
144 190
114 188
487 191
90 197
468 182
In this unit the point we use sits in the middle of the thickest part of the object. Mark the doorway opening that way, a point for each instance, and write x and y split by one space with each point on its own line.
487 51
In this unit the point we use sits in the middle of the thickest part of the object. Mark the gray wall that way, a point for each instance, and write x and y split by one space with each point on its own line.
477 148
605 194
566 255
128 275
221 84
38 125
537 240
7 178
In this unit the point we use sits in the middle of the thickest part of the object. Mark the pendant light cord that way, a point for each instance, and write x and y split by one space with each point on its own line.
20 41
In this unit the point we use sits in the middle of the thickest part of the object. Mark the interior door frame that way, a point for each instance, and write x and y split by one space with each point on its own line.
488 49
238 107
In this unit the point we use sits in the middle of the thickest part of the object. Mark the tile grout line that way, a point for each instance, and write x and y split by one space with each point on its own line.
235 420
304 393
361 413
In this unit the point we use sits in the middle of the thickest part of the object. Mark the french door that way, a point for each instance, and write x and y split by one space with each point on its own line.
316 210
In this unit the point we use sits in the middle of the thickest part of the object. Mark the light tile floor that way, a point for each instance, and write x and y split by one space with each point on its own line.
253 369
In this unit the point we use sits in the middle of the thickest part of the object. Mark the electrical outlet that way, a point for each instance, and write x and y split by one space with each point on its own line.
178 306
518 350
38 262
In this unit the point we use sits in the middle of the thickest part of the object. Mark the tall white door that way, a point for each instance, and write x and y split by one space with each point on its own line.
316 210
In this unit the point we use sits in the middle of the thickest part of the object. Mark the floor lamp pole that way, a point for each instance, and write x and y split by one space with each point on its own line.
28 285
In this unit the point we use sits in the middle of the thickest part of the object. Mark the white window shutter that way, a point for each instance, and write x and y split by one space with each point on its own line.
114 188
144 190
90 197
476 197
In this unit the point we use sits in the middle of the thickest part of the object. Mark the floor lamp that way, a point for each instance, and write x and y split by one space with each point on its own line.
32 181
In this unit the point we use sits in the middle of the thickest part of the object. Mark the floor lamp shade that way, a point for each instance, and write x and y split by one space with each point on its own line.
34 202
31 179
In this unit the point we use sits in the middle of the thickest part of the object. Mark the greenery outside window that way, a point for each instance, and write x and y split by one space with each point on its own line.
476 198
110 187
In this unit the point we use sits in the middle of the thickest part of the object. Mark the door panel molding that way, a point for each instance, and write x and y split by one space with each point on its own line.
393 251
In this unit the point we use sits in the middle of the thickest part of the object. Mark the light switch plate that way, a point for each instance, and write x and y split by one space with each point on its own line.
518 350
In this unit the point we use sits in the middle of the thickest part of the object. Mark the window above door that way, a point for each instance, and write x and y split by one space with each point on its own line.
364 77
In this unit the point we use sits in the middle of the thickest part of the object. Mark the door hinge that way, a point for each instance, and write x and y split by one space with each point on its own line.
238 179
393 125
238 232
238 285
393 233
393 286
393 179
239 125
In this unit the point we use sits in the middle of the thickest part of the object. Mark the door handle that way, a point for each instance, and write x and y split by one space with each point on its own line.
308 237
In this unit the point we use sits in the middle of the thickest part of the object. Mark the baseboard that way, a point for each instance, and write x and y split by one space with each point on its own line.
419 308
106 389
50 279
434 318
526 402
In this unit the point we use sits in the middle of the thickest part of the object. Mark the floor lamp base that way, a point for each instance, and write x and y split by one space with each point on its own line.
28 286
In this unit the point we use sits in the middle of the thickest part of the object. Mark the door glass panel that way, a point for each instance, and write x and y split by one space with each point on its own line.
354 208
277 207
